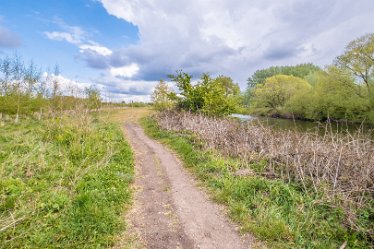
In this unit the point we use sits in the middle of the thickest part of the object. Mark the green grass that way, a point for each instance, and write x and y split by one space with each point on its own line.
278 213
63 183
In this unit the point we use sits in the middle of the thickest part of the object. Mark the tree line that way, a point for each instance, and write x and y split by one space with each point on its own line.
25 90
341 91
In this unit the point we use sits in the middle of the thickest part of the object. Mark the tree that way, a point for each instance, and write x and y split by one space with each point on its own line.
359 59
272 96
191 97
161 96
305 71
6 72
335 96
93 101
221 96
301 71
212 96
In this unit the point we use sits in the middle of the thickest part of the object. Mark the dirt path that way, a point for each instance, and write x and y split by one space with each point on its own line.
169 210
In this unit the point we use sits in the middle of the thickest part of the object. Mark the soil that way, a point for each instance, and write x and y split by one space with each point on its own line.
170 210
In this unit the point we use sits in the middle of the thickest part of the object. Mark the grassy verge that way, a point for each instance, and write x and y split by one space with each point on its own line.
64 183
277 212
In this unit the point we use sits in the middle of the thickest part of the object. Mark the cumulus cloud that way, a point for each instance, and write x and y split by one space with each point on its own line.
127 71
77 36
234 38
67 86
101 50
119 89
8 39
111 89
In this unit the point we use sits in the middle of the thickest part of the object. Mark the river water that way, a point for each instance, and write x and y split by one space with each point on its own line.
307 126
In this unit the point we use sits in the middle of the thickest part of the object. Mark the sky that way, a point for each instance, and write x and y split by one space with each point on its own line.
124 47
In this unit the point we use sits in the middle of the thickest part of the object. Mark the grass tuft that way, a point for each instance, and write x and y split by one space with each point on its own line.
64 183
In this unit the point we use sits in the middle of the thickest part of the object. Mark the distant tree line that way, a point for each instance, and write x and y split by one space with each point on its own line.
24 90
343 91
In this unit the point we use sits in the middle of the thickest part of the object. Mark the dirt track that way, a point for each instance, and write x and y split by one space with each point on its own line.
170 211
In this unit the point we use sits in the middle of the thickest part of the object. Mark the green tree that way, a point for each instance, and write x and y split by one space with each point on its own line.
213 96
335 96
221 96
359 59
191 96
305 71
271 97
93 100
161 96
301 71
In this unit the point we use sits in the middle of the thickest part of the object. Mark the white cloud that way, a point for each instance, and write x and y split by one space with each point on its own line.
113 90
101 50
77 36
118 89
236 38
64 36
118 97
66 85
233 38
127 71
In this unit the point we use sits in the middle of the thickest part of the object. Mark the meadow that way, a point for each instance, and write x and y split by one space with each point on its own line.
65 182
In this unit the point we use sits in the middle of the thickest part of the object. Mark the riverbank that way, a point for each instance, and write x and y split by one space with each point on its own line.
271 183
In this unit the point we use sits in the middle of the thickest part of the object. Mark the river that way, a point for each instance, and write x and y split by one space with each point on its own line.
306 126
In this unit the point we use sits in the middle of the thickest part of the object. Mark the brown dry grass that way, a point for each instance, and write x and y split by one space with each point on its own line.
125 115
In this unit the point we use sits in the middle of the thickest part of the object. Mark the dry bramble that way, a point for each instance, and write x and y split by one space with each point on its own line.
342 165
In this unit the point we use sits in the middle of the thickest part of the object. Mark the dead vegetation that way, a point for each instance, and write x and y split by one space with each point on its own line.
341 166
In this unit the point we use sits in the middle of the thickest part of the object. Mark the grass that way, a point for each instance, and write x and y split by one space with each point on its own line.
122 116
64 183
280 213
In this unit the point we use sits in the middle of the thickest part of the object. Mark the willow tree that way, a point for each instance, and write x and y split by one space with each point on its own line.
272 96
359 59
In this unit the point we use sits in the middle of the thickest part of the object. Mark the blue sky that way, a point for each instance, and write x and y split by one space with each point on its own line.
29 22
124 46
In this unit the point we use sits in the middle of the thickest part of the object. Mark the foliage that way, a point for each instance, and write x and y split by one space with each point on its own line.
359 59
301 71
161 97
278 212
18 92
63 183
24 90
340 92
274 94
93 100
213 96
335 96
